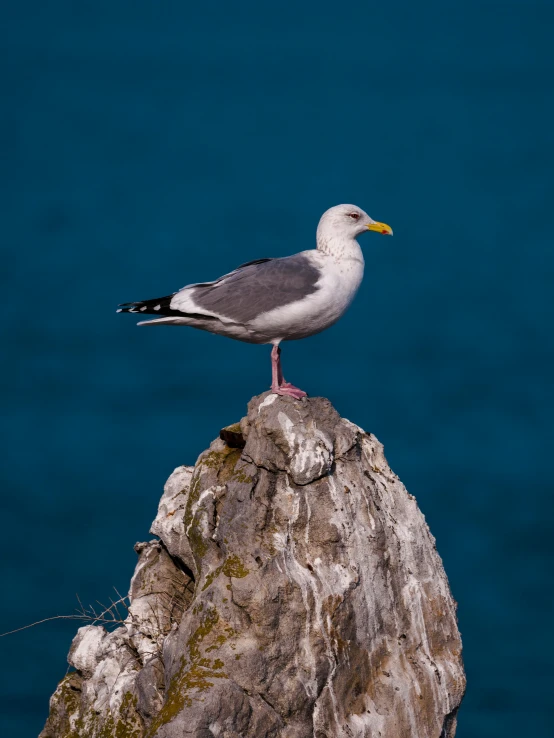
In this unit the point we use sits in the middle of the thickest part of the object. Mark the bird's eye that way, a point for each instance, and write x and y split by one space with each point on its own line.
354 216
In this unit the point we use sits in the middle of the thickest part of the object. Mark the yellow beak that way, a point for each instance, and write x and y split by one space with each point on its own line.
383 228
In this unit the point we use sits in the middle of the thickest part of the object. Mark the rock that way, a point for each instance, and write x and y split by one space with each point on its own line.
295 591
169 523
232 435
160 593
100 698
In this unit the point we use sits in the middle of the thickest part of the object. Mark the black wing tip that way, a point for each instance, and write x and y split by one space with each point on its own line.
129 307
159 306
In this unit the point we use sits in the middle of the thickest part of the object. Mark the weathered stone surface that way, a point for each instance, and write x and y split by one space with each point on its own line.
100 698
169 523
320 605
160 592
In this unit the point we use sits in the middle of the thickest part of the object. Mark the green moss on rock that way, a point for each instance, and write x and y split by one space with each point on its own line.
64 707
68 720
233 567
195 674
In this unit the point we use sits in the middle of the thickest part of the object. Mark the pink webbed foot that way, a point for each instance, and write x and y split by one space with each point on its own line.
289 390
278 384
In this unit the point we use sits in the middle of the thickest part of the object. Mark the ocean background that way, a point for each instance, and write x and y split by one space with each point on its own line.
146 145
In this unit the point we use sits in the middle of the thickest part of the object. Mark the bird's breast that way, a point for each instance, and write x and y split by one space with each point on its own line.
339 284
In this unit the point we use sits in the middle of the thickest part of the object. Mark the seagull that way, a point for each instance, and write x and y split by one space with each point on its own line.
268 301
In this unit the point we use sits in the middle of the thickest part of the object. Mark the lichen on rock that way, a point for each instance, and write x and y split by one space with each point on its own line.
295 590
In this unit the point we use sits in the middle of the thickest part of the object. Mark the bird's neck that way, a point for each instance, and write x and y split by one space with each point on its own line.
339 246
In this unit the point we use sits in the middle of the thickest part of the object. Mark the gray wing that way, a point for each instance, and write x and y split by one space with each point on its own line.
252 289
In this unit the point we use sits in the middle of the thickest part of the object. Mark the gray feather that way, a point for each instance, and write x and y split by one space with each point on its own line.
257 288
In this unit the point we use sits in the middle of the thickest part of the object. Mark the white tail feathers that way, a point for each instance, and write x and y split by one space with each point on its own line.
170 320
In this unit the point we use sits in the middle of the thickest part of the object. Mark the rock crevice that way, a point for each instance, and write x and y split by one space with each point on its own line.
294 592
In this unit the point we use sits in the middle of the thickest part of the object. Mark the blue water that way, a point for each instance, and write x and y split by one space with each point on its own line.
151 144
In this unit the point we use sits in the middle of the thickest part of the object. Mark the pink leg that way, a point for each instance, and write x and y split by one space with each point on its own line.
278 384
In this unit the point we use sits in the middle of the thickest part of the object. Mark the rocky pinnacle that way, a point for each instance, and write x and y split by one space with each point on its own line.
293 591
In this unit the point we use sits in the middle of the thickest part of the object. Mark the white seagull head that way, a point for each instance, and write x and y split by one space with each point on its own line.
349 221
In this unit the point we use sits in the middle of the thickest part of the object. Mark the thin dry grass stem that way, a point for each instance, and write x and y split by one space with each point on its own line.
108 616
